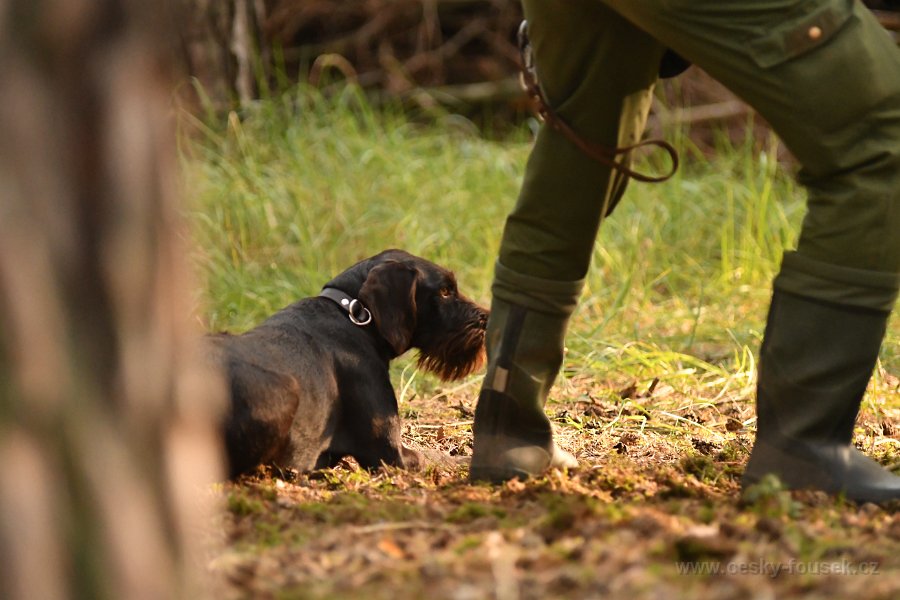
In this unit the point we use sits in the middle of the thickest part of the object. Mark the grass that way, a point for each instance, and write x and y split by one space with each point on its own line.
302 188
655 396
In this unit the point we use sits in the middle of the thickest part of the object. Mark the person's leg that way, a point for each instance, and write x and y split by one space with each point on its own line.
827 77
597 72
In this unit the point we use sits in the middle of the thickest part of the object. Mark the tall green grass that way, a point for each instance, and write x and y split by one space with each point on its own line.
298 187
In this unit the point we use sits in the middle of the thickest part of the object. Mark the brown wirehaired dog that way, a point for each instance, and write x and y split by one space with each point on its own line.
310 385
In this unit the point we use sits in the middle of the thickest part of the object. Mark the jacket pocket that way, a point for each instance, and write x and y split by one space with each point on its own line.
810 26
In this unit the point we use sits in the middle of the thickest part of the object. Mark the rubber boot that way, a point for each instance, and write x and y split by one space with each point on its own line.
513 437
815 363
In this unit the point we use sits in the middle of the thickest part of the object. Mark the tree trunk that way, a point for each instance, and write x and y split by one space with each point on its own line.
106 417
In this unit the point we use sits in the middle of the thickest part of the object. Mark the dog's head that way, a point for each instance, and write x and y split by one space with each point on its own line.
416 304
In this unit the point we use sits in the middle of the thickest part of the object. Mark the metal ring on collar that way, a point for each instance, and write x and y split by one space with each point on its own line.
366 318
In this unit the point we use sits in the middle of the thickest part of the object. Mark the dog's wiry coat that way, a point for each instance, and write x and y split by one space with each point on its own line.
309 387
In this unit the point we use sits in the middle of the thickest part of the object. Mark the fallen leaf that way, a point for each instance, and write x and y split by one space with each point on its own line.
389 547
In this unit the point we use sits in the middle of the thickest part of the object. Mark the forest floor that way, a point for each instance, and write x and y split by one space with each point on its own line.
648 514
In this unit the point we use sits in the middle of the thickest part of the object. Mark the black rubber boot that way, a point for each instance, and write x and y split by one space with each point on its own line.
513 437
815 363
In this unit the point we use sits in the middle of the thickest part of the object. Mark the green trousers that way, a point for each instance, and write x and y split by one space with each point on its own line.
823 73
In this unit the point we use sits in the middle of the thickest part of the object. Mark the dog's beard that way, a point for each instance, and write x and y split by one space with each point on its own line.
456 355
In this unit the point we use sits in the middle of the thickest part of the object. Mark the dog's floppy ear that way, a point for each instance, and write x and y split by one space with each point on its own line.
390 295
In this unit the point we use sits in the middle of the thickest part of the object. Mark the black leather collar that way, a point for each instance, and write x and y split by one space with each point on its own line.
359 314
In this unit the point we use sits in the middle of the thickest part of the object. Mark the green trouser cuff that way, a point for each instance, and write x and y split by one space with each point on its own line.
535 293
844 286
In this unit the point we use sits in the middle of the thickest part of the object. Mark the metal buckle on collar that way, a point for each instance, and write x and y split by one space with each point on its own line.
359 314
366 316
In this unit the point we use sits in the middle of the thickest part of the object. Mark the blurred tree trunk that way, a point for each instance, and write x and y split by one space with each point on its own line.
106 434
224 48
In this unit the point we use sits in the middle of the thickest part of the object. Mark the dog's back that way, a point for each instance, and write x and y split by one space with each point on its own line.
277 374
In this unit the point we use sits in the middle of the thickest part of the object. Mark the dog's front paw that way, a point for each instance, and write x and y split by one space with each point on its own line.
435 458
412 459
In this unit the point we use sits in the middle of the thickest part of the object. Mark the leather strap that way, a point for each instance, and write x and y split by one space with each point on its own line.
358 313
602 154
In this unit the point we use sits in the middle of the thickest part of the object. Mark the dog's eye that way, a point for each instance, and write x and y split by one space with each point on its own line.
446 292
